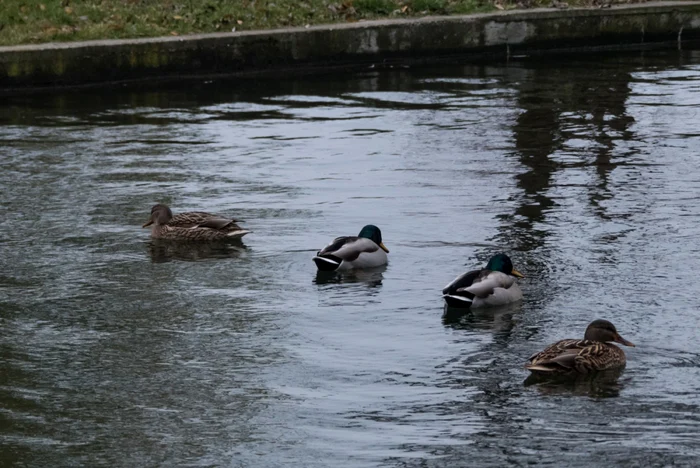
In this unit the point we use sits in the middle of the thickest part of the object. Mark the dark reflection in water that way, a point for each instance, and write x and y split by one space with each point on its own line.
372 277
165 251
16 396
499 320
578 109
606 384
122 351
355 288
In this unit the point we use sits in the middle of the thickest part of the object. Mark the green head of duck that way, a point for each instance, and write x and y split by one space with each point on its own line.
373 233
501 262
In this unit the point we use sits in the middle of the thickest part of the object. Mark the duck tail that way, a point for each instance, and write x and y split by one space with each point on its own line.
539 368
453 300
237 234
329 263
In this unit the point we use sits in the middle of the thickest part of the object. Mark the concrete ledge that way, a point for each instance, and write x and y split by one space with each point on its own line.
499 34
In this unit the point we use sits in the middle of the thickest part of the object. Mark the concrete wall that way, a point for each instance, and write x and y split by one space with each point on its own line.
346 44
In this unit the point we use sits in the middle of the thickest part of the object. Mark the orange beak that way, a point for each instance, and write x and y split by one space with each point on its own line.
620 339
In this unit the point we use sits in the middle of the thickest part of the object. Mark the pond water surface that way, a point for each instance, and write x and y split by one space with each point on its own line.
117 351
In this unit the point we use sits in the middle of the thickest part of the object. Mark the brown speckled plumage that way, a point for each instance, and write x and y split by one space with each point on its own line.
593 353
192 226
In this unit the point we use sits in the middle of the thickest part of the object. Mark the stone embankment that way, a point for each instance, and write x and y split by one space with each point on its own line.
496 35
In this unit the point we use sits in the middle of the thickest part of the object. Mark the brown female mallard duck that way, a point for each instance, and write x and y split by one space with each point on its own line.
192 226
593 353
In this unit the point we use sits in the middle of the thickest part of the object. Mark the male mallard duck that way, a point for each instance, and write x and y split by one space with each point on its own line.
345 253
592 353
494 285
192 226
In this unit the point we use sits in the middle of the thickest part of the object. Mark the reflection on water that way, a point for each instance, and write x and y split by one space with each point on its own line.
372 277
500 320
605 384
354 288
118 348
163 250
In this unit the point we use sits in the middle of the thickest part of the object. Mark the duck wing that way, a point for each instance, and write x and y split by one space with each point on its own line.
217 223
190 219
202 226
456 293
487 281
561 354
348 248
461 282
599 356
200 219
573 355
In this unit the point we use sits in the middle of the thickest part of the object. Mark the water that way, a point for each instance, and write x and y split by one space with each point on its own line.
116 351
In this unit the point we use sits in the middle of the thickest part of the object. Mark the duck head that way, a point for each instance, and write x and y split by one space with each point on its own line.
372 232
501 262
160 214
605 332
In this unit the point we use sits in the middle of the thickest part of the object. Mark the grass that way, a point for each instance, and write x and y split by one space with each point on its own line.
35 21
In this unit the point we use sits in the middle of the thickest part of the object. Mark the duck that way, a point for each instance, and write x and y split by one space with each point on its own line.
192 226
577 357
366 250
493 285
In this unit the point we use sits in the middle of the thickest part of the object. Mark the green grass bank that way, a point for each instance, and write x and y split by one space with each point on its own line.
39 21
497 35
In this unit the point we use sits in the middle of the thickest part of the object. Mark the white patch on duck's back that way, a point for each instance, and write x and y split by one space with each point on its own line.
500 296
236 234
366 260
485 285
352 247
327 260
